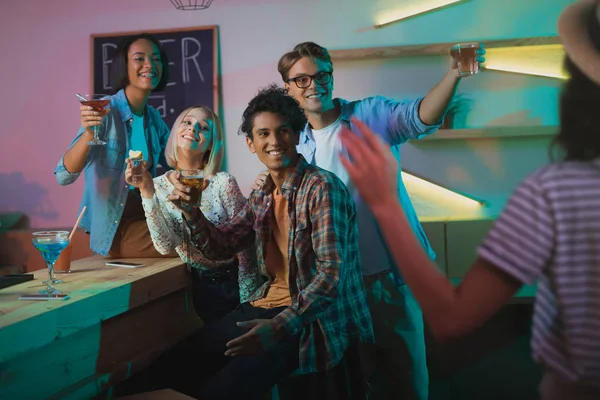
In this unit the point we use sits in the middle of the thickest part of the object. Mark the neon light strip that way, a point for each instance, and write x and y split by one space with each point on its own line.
437 191
537 60
526 71
417 8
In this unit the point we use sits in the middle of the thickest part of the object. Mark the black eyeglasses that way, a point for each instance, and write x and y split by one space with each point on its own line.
304 81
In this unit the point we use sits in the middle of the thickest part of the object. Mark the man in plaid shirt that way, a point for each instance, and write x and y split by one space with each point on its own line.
312 303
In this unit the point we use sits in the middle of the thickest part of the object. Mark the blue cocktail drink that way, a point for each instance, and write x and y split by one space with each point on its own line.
50 244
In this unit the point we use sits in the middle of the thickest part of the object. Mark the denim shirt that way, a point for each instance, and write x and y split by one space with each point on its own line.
105 190
395 122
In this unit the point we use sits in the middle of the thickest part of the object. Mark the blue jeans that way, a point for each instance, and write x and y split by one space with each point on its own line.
396 366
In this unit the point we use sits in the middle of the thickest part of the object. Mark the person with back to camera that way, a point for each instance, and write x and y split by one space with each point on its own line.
549 231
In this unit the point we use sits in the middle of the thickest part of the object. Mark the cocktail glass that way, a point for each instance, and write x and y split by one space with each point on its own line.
50 244
98 102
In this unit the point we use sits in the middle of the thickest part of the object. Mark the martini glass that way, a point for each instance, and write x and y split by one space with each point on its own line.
98 102
50 244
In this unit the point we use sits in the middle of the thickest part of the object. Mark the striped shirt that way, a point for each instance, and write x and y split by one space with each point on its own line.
329 308
549 232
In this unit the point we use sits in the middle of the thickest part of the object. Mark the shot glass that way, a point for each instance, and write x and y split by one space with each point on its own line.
137 169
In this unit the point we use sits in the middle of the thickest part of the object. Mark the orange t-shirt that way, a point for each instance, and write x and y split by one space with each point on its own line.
276 257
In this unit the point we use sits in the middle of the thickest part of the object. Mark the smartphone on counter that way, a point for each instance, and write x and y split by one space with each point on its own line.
44 297
124 264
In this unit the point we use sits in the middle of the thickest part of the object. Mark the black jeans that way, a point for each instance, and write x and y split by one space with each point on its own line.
242 377
213 300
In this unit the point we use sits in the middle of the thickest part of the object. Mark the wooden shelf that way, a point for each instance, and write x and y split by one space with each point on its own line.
433 48
492 132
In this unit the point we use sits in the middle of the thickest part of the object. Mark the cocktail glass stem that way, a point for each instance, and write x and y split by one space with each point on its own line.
52 279
96 140
52 276
49 288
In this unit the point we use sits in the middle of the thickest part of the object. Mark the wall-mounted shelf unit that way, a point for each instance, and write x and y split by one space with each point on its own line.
434 48
492 132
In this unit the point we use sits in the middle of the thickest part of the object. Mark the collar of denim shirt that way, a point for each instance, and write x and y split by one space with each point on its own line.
346 114
120 101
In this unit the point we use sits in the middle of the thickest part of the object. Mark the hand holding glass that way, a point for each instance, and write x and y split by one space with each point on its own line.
137 169
465 55
50 244
98 102
194 179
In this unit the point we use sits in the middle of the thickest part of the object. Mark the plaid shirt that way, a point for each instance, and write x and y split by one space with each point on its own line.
329 307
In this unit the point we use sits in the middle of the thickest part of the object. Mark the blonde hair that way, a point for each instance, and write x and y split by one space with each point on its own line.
213 158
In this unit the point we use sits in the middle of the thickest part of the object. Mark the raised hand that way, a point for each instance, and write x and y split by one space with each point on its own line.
145 183
453 64
91 118
180 192
370 164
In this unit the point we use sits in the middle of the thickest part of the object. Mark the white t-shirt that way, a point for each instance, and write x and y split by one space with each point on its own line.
328 147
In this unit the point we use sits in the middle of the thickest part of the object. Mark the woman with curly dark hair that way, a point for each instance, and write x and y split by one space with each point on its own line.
549 232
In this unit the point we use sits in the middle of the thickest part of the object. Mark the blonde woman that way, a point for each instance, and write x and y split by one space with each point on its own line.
196 142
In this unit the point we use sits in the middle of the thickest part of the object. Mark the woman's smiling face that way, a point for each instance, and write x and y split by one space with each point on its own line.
195 131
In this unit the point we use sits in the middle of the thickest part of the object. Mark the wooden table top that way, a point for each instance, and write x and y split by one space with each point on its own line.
96 293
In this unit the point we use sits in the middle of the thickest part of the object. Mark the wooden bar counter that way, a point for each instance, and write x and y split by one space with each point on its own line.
116 321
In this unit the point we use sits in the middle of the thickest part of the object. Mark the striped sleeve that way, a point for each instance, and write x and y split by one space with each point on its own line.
521 241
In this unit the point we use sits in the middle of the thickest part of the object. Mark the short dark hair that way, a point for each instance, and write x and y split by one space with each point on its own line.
118 73
275 100
305 49
578 136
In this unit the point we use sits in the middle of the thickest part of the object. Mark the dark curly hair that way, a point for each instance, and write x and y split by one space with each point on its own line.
275 100
578 138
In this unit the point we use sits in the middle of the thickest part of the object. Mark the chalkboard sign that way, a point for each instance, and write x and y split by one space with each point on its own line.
192 54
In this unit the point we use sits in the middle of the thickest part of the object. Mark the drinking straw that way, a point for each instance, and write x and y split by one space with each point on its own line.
77 223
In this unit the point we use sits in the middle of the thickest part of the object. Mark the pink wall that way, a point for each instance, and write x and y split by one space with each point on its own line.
46 60
41 70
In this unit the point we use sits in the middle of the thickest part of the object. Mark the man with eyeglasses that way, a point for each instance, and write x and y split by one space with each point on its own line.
396 366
